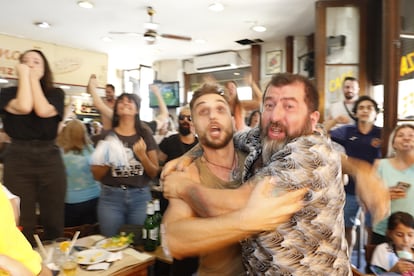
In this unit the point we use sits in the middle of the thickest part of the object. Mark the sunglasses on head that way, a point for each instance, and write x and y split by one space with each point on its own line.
182 117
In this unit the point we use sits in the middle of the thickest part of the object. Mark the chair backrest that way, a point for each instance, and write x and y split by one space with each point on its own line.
369 250
85 230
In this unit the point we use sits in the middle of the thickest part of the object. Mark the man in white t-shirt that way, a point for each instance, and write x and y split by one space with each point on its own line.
340 113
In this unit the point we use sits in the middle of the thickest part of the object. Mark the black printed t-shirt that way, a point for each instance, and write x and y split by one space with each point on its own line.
134 174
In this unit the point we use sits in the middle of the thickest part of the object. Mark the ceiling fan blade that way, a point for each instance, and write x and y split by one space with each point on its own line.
125 33
179 37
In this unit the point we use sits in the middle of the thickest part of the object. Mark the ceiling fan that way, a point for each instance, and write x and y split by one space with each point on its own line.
151 34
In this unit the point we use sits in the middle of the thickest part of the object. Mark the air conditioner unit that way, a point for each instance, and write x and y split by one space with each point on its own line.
216 61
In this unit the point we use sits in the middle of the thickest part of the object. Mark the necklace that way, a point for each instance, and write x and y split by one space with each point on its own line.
233 170
221 166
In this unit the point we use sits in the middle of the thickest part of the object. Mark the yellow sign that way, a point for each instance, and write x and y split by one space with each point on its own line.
407 64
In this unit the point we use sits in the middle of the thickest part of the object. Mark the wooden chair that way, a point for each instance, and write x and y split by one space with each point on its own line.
356 272
85 230
369 250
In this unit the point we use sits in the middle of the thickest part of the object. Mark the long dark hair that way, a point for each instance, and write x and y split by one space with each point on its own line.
46 82
137 100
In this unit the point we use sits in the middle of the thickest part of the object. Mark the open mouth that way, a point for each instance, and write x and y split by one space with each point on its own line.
276 131
215 130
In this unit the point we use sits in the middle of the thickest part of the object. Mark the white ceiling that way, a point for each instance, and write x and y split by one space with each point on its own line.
84 28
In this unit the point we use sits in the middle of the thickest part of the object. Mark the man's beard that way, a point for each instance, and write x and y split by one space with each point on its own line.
184 129
213 144
349 96
271 146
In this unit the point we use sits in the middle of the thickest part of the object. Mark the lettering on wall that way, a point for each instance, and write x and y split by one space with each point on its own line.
7 55
336 83
69 65
407 65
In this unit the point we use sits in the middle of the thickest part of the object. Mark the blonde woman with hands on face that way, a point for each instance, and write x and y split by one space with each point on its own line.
33 166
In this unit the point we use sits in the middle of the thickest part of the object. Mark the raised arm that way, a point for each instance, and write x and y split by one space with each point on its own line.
41 105
367 181
163 114
23 102
257 95
97 100
187 235
204 201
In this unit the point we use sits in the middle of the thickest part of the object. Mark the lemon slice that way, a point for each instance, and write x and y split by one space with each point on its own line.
64 246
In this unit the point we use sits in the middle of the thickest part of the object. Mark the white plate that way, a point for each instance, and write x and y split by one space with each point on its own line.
103 245
91 256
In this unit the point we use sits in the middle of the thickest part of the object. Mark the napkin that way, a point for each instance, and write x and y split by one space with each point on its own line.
99 266
114 257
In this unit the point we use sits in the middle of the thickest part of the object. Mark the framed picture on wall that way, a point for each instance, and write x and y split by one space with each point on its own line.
273 62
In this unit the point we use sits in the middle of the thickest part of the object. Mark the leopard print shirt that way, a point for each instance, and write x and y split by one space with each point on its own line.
313 241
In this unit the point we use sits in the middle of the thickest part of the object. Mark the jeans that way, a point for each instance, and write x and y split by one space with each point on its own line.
118 206
351 210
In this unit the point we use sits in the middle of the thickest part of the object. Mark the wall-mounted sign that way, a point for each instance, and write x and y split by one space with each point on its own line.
69 65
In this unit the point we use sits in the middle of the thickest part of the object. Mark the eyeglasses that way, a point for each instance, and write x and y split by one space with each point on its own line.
182 117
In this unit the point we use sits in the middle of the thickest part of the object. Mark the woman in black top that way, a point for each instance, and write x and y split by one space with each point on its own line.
33 167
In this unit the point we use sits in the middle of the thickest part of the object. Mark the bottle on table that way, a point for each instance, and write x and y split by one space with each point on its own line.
157 218
150 230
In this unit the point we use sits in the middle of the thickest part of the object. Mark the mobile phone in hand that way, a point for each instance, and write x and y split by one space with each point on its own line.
403 185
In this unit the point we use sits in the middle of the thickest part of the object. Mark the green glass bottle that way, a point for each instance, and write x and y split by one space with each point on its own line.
157 218
150 231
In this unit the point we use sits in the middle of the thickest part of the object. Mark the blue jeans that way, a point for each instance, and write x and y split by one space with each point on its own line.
118 206
351 210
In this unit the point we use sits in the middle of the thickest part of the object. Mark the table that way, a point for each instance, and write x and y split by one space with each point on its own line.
158 254
133 263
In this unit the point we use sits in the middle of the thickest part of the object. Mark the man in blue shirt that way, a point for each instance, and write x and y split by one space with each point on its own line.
362 141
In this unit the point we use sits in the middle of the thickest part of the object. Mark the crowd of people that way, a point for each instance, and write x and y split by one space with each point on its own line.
223 171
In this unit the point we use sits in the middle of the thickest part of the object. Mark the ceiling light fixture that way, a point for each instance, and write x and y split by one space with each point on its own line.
86 4
216 7
150 36
259 28
43 24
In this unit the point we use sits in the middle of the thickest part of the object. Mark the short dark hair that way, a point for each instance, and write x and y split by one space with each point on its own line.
349 78
111 86
311 94
400 217
365 98
207 89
